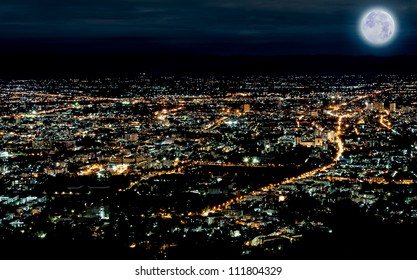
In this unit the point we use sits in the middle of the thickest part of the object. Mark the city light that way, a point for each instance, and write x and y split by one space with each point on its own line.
163 165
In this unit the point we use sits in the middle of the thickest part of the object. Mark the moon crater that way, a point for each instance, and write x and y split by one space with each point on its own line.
377 27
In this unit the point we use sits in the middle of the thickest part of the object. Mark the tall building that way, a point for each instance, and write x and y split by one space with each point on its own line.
246 108
369 106
393 107
330 136
318 142
279 105
379 106
133 137
297 140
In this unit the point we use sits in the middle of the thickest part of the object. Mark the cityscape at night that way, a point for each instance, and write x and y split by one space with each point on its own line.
213 138
209 167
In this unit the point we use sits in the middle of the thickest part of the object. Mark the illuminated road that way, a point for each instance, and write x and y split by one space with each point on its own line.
230 164
216 123
177 170
97 168
340 150
385 124
339 153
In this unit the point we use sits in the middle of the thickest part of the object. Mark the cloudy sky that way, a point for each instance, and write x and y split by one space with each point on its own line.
228 27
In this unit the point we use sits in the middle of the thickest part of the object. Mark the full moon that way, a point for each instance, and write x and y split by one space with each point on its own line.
377 27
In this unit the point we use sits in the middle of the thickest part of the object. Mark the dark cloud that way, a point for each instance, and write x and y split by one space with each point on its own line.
306 26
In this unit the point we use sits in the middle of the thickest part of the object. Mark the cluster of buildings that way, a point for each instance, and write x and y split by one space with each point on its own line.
160 162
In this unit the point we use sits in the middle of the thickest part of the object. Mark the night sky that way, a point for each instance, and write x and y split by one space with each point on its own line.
116 37
226 27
